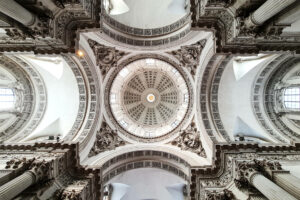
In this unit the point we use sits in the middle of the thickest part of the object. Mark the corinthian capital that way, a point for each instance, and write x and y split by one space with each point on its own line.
42 169
268 167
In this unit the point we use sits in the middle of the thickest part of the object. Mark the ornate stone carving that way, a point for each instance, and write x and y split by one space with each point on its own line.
42 169
225 3
220 195
244 171
18 163
59 3
77 190
106 139
189 55
267 167
71 195
16 34
231 35
106 57
189 139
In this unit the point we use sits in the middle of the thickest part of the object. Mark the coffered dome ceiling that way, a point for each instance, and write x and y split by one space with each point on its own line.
149 98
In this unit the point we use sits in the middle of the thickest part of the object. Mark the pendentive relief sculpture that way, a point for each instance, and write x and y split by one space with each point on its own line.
106 57
189 140
189 55
106 140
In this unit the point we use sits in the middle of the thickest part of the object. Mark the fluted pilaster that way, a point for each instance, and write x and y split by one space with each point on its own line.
266 11
17 185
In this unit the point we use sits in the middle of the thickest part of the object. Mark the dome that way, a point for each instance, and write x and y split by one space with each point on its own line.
149 98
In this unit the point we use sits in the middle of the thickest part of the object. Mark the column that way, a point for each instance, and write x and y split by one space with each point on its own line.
50 5
288 182
16 186
266 11
17 12
268 188
39 170
249 174
281 177
237 5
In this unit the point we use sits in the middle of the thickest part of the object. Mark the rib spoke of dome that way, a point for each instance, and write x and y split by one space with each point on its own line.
170 97
148 103
131 97
136 111
165 83
164 111
137 84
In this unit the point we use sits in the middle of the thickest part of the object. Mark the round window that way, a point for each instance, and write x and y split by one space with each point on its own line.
7 98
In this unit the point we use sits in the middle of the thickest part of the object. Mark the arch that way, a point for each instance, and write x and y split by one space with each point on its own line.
266 105
31 98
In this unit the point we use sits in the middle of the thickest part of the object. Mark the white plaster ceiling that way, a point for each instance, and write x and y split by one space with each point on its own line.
146 184
235 99
151 13
62 96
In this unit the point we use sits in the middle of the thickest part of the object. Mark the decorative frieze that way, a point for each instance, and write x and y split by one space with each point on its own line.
224 171
52 170
232 31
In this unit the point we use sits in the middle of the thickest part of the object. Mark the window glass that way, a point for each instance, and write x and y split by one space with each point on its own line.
292 98
7 98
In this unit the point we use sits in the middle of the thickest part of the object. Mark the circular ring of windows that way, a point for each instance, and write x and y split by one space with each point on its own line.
149 98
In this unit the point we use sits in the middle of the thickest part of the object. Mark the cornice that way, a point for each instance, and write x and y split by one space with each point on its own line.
230 37
71 152
221 150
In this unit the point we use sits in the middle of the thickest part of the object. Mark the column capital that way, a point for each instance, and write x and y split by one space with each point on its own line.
269 167
72 195
245 170
41 169
78 190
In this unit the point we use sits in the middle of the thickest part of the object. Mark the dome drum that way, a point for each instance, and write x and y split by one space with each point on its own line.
149 98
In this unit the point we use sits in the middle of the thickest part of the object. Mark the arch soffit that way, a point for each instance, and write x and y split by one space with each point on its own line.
34 93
